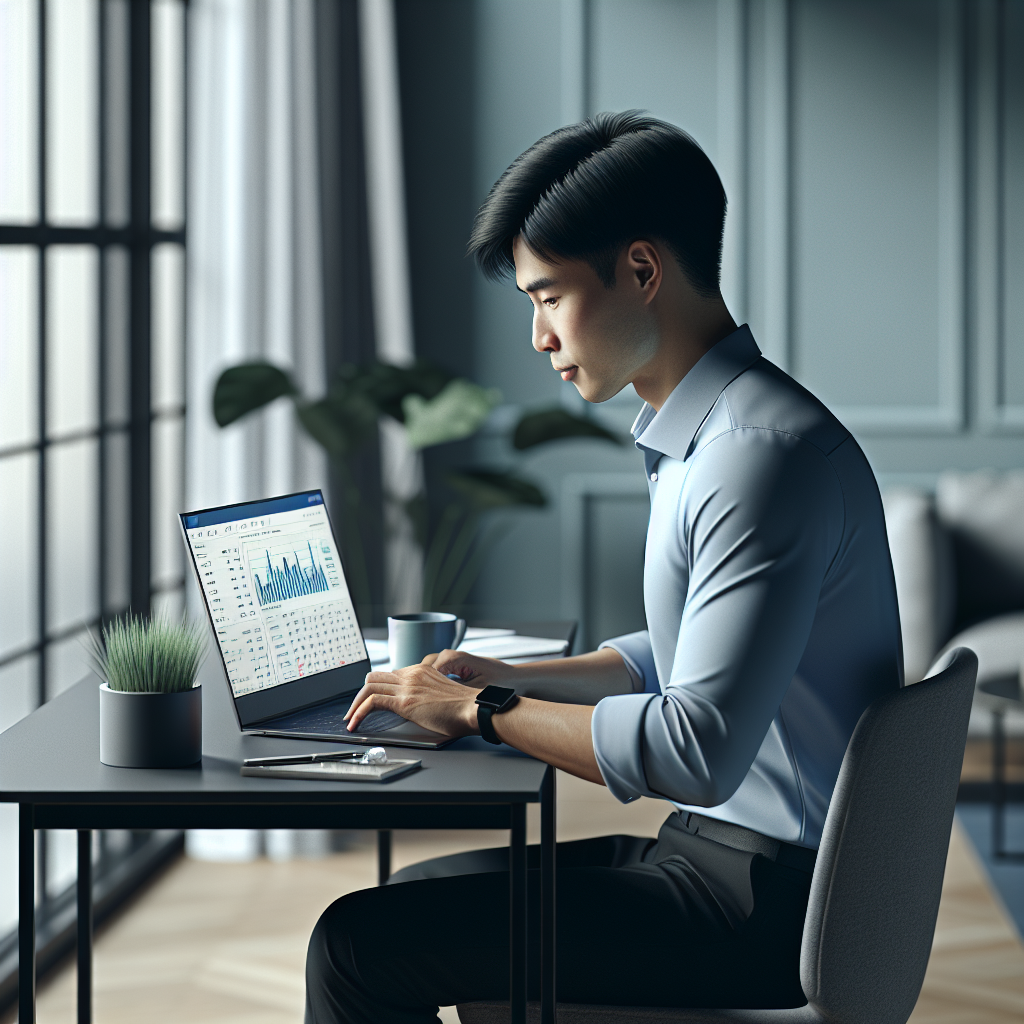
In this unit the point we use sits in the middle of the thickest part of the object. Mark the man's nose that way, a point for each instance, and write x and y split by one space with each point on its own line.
544 338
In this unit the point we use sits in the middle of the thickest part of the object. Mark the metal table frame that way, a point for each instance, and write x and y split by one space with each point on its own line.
1000 693
150 799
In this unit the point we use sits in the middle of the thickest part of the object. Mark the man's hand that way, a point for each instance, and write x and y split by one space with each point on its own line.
473 670
558 733
422 695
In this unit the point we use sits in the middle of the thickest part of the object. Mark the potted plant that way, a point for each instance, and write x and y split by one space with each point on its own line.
151 710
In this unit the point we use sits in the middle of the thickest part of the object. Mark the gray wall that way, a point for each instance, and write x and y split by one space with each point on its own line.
872 153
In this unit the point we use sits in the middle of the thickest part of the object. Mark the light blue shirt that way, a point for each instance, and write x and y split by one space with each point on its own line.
770 600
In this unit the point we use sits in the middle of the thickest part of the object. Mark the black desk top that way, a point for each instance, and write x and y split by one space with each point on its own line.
52 757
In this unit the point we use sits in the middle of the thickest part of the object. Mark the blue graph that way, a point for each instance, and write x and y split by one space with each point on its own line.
290 580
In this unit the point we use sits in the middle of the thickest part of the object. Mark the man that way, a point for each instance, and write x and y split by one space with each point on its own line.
771 610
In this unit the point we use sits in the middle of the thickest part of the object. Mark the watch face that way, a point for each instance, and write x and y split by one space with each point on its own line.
495 696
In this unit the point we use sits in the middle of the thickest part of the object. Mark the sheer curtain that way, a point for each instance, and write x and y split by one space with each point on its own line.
259 215
254 272
401 468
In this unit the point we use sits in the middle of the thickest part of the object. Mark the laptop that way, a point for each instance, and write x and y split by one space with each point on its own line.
286 629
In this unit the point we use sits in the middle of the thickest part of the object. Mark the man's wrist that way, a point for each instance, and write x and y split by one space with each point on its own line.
469 714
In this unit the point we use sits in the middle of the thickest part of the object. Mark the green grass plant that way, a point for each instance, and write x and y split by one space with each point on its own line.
135 655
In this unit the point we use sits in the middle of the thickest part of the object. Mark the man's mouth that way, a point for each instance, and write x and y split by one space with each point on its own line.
568 373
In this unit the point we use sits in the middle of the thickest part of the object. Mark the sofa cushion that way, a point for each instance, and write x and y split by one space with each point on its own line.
984 512
922 562
998 643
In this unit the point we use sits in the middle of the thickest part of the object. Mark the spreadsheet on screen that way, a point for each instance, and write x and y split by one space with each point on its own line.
273 582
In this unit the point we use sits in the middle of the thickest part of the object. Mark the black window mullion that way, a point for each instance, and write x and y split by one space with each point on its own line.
42 660
101 312
42 623
138 237
140 157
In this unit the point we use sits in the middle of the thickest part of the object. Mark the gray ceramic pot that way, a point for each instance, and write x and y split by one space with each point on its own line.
151 730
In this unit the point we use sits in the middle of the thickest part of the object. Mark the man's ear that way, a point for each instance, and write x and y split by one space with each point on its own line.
645 268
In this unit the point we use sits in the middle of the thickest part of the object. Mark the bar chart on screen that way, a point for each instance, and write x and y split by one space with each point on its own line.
286 574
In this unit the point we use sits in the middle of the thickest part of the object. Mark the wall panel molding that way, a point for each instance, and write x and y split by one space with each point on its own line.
732 155
947 414
777 184
991 260
579 492
574 18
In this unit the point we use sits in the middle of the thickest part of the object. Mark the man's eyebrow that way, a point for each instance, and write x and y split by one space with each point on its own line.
541 282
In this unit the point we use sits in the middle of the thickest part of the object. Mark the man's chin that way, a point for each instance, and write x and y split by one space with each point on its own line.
596 392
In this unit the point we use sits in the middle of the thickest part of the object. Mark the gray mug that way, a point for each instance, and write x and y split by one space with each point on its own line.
412 637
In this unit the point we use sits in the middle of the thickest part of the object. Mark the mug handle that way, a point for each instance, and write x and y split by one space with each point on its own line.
460 633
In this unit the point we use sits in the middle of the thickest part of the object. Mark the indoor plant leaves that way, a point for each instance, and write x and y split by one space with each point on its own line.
552 424
456 412
249 386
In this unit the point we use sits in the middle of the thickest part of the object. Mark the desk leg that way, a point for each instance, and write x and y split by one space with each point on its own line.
547 899
383 855
26 915
517 915
84 926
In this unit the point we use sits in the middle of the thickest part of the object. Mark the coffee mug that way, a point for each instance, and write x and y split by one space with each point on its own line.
412 637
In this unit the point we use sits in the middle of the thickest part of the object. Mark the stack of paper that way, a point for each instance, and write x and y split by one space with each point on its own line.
503 644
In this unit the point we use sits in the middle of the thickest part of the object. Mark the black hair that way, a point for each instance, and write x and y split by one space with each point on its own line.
586 190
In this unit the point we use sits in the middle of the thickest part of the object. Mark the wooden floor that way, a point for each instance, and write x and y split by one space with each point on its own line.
978 760
225 943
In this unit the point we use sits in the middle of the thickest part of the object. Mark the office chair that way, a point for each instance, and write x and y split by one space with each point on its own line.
876 885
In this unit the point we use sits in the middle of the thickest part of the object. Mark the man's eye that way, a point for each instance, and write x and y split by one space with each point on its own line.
551 302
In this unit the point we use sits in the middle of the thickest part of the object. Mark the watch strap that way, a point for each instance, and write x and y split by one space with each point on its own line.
484 723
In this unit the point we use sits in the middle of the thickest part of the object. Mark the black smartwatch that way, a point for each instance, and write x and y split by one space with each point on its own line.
492 700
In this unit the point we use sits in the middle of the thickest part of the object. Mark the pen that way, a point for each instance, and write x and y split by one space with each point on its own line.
259 762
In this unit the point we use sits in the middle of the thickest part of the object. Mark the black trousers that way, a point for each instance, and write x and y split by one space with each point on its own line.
677 921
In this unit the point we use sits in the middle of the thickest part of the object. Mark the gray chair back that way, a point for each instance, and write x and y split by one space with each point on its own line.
878 878
876 887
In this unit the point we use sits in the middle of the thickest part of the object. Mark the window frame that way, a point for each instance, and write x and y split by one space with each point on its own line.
120 867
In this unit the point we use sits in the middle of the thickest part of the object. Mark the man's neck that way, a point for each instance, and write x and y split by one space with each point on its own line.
686 336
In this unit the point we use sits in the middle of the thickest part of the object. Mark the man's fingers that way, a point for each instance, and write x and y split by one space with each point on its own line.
376 682
380 677
458 663
373 701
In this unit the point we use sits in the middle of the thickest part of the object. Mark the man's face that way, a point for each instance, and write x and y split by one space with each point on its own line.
597 337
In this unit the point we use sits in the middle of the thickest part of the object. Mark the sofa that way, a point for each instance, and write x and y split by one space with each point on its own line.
958 559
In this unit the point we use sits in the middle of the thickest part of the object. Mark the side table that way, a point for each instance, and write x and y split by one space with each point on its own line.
1000 693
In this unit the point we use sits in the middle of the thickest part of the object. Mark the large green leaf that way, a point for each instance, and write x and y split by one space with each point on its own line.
245 388
387 386
456 412
339 425
486 489
554 424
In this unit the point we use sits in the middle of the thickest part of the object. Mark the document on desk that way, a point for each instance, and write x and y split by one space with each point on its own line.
502 644
333 771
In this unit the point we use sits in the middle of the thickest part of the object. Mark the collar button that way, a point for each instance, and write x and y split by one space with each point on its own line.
654 478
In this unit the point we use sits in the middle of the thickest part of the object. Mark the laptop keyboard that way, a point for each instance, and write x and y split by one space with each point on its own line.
330 718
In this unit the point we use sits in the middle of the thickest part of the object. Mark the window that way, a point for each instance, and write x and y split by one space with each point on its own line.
92 204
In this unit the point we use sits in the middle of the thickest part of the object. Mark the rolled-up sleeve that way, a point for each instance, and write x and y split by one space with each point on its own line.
758 522
635 650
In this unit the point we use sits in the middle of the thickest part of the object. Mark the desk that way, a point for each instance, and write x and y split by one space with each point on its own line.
49 765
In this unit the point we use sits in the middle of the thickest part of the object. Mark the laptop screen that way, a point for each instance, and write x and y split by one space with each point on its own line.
273 584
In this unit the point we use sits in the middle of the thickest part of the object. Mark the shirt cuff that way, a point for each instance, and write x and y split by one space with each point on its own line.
617 732
635 650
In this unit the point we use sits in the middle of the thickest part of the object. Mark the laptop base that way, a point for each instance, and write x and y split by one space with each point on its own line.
407 735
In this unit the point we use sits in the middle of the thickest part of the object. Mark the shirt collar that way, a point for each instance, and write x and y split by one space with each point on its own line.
671 430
